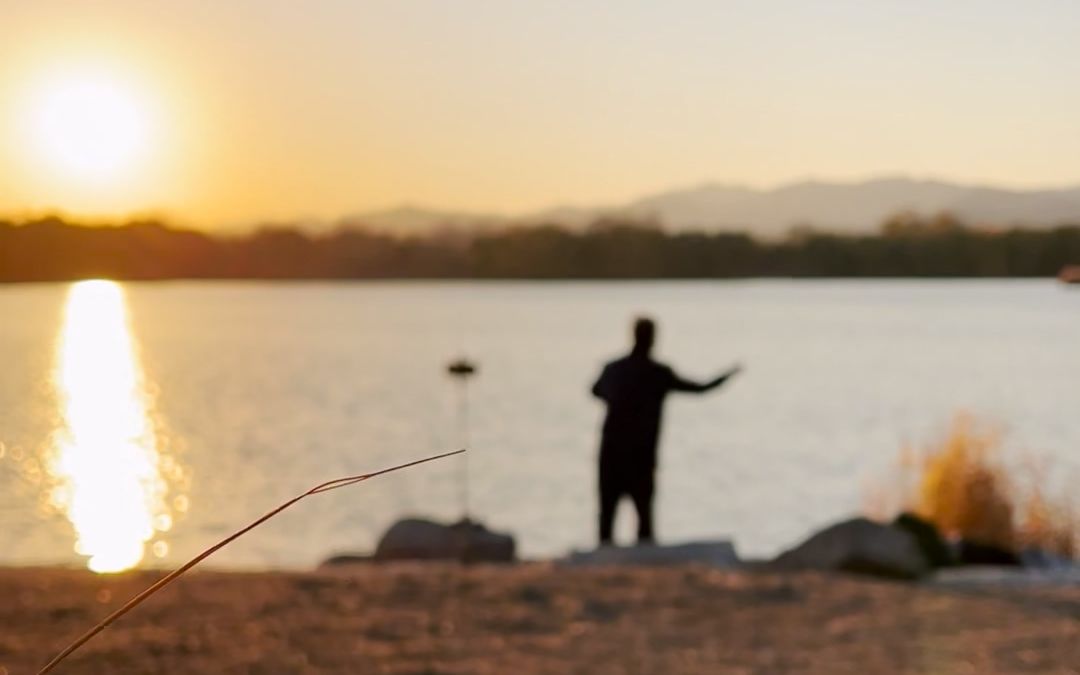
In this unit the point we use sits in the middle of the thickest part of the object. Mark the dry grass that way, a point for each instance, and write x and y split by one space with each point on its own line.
138 599
962 483
536 619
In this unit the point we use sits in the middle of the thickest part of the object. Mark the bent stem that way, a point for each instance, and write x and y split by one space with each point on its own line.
172 576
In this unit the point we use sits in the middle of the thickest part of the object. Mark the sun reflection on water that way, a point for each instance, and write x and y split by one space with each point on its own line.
111 479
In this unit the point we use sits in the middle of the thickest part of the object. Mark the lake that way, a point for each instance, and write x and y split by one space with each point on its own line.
147 420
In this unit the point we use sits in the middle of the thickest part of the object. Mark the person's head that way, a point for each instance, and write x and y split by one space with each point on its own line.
644 335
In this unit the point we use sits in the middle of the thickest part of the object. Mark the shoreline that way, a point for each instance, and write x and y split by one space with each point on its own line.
533 617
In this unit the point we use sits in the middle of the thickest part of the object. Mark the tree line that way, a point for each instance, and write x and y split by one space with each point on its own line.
906 245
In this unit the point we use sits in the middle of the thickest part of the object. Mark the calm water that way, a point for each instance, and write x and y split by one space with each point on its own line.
149 420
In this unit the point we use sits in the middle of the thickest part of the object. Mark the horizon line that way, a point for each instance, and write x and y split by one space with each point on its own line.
164 215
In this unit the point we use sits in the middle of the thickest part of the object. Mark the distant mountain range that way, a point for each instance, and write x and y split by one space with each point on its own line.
834 206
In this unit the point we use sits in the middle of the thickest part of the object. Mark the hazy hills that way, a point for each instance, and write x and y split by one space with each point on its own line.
842 207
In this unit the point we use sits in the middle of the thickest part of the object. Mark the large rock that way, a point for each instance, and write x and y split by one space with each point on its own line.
861 546
933 546
468 541
715 553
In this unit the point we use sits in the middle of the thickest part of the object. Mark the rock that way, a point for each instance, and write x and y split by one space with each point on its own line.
715 553
467 541
1038 559
346 559
977 553
931 543
860 546
990 577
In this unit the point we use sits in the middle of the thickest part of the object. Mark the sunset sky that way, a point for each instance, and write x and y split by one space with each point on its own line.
223 113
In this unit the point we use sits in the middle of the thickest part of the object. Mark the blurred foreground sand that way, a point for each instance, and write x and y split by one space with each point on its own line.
532 618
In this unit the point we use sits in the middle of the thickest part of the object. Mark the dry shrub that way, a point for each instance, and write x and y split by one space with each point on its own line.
964 489
1051 524
960 483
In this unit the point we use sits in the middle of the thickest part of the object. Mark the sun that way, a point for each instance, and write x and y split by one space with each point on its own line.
88 125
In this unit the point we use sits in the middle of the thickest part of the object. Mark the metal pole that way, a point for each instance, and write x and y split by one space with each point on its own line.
463 422
462 369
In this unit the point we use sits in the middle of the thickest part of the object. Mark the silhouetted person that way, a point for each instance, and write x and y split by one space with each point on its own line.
634 388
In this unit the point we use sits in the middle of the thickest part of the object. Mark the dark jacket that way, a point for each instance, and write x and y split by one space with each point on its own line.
634 388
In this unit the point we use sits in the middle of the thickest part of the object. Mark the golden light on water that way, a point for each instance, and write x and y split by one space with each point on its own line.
111 479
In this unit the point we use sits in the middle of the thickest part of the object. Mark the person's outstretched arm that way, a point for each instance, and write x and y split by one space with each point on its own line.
679 384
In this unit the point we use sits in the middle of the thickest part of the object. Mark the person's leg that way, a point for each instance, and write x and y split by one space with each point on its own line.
609 501
643 502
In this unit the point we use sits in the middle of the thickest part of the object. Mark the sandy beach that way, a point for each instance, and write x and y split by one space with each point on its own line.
533 618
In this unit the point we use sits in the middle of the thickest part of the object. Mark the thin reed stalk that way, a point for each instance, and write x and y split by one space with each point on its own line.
172 576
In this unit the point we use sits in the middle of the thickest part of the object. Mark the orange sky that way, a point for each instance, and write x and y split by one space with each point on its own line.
278 110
